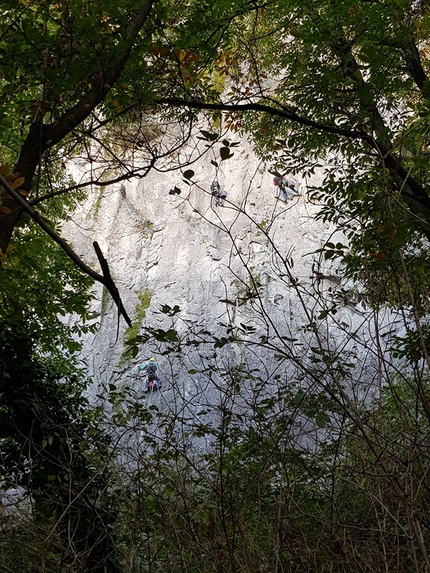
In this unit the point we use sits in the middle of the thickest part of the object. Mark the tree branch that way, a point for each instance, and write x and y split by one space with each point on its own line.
105 279
415 68
56 131
414 195
281 112
79 186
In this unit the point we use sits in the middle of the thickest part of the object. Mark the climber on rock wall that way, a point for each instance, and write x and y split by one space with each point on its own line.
218 193
287 187
152 380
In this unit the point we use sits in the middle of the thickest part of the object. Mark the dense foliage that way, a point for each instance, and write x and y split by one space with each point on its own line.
322 473
327 82
53 446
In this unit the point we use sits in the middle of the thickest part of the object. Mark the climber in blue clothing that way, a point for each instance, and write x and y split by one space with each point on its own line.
287 187
292 188
152 380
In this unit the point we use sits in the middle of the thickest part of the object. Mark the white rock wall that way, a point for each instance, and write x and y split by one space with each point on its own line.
190 253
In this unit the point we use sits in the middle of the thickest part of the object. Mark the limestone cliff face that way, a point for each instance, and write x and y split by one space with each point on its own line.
251 262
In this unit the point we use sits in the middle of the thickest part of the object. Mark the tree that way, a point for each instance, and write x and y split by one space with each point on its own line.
77 70
64 61
337 84
331 83
52 444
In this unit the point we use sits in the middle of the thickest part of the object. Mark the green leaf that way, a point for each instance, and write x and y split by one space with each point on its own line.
134 340
172 335
225 153
134 351
322 419
208 136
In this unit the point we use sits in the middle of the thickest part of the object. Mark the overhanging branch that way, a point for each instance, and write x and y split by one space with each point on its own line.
252 106
78 186
105 279
414 195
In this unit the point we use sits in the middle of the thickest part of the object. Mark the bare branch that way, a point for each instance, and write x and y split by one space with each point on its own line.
79 186
105 279
282 111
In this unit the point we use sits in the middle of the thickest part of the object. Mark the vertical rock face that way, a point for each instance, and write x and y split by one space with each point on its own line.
250 265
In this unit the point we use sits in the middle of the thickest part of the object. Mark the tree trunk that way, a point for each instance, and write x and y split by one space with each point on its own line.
44 136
